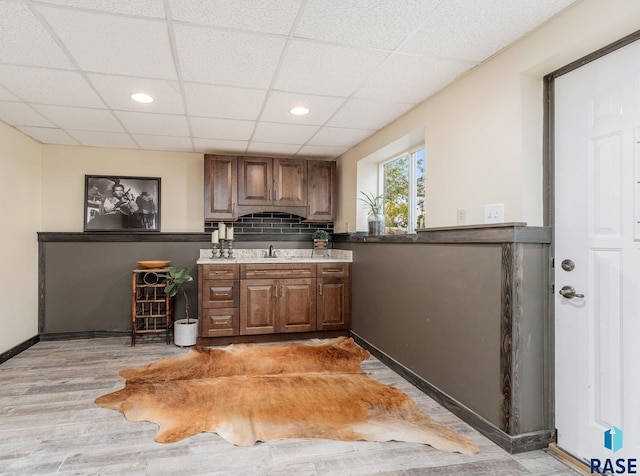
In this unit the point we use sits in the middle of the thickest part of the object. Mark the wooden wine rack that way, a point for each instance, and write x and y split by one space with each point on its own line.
151 308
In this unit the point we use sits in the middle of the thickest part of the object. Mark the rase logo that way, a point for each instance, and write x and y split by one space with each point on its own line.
613 440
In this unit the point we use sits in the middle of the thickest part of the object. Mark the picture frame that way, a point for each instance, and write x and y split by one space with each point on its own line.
117 203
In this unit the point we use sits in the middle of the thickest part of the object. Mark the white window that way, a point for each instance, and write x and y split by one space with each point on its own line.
403 186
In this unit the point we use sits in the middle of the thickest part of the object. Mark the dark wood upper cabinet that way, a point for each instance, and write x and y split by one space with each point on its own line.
220 190
321 191
255 181
236 186
267 181
290 182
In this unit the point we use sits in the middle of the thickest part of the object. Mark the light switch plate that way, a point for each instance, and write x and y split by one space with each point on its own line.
494 213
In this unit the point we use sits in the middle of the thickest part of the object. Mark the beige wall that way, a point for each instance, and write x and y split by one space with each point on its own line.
64 168
483 133
20 175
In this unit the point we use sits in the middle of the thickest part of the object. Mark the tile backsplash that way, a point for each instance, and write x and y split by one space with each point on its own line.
271 223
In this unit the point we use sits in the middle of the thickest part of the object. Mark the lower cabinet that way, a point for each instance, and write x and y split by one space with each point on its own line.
334 296
219 299
251 299
272 306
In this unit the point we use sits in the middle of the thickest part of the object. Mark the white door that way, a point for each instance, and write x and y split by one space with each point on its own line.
597 227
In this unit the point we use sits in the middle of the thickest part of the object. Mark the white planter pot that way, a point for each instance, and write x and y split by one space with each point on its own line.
185 335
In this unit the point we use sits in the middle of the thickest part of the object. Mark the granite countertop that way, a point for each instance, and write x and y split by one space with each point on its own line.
284 256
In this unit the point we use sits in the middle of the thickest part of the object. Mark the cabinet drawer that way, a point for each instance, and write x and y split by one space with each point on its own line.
220 271
220 293
268 271
219 322
334 270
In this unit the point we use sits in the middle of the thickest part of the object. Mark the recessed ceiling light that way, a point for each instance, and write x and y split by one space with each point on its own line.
142 97
299 111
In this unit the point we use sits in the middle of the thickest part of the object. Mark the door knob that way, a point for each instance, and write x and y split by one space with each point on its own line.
569 292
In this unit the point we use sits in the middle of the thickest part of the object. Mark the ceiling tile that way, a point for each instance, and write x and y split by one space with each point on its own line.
321 108
19 114
458 28
226 57
117 91
48 86
154 124
47 135
329 70
283 133
321 152
6 95
114 44
81 118
371 23
214 146
365 114
148 142
25 41
334 136
104 139
222 101
253 15
265 148
410 79
209 128
146 8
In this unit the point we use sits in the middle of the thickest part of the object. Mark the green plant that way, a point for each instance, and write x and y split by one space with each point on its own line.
176 278
320 235
374 203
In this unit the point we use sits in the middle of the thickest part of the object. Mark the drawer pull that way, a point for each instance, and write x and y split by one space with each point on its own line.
220 294
333 270
221 272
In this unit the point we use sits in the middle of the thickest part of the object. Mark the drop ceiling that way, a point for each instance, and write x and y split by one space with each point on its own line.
225 73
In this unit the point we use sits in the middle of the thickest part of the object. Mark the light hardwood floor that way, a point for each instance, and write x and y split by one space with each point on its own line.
50 425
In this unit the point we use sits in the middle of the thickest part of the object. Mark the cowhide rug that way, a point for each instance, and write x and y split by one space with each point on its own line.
248 393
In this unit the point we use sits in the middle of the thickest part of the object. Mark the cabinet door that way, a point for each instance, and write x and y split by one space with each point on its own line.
255 181
334 304
321 191
297 305
258 309
220 182
290 183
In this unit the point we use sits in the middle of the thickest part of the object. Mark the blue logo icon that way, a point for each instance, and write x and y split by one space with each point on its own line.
613 439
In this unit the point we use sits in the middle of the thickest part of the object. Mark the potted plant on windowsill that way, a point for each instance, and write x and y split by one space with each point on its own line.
185 331
375 205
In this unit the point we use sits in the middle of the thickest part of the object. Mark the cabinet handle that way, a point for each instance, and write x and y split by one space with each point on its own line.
269 195
333 270
221 272
320 289
276 290
282 291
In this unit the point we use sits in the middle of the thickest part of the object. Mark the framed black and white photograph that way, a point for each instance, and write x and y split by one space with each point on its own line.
118 203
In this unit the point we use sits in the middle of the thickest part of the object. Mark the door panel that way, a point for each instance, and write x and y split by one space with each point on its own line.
258 312
255 179
220 182
297 305
597 363
290 185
